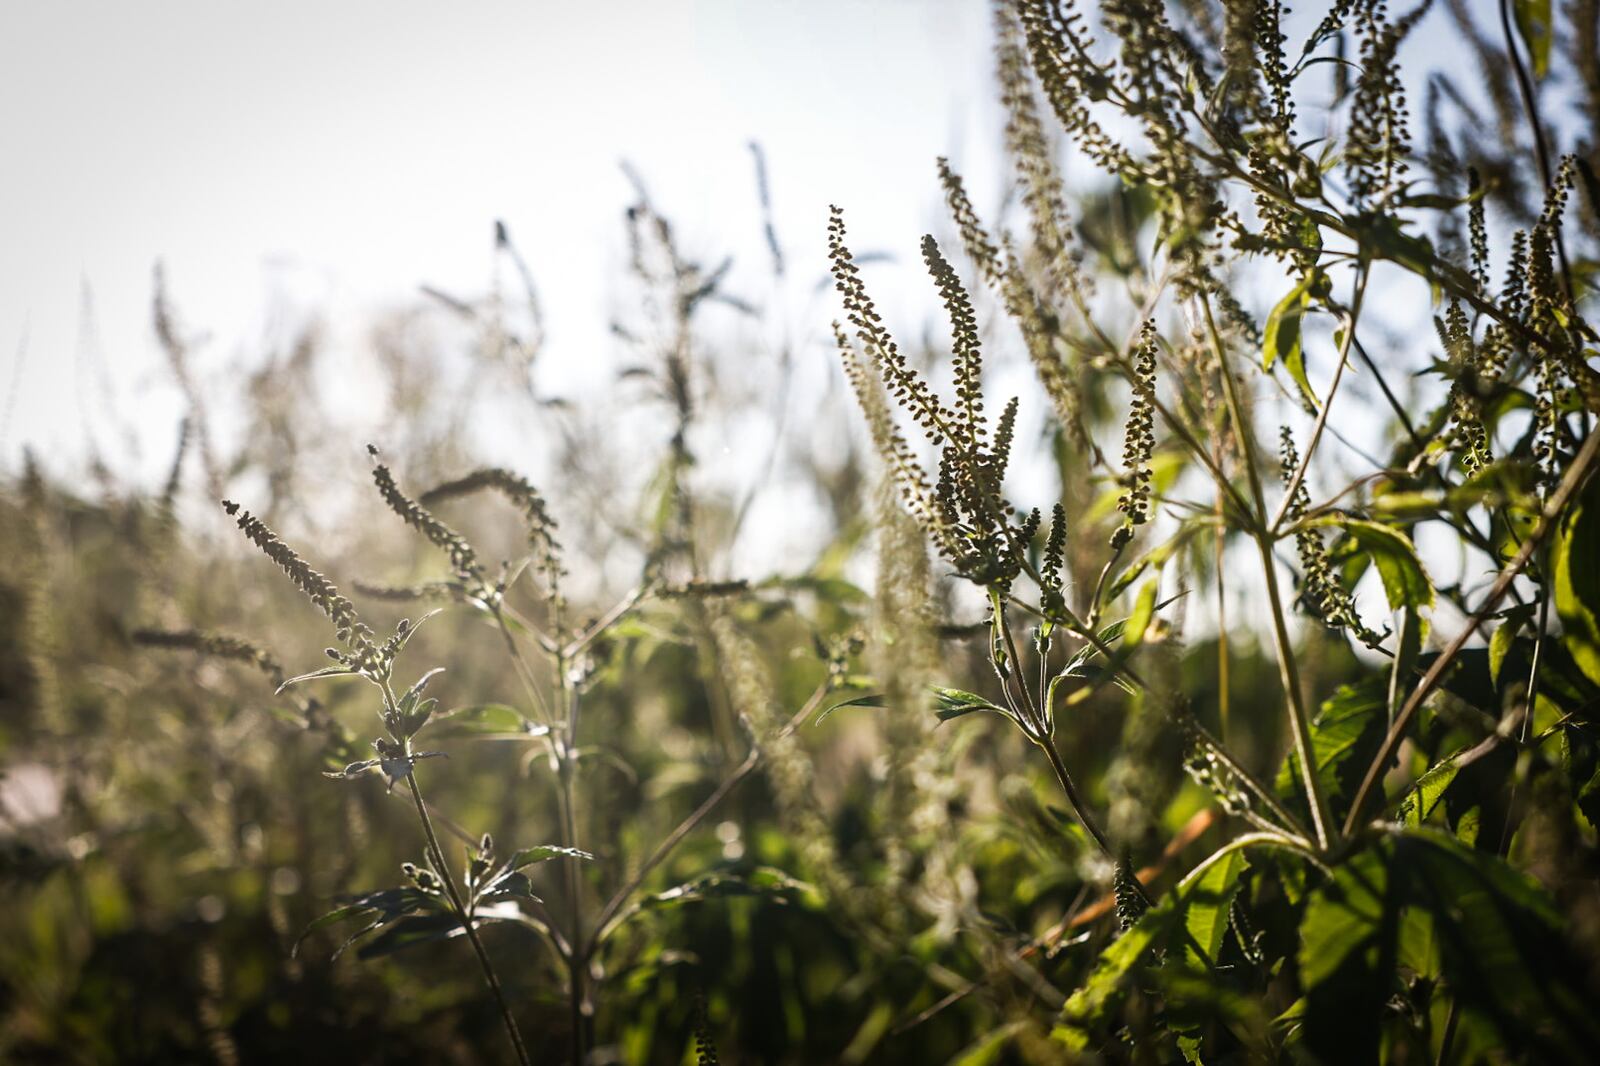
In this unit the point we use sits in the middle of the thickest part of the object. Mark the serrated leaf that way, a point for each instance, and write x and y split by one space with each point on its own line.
411 932
1206 902
414 693
1345 734
544 853
1501 940
953 703
1405 582
383 905
1088 1008
1428 791
1504 637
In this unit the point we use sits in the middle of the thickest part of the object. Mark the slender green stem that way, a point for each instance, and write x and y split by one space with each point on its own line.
1222 619
1070 789
1530 106
1299 718
1179 712
566 771
465 915
609 916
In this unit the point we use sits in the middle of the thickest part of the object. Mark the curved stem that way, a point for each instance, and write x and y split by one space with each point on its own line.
1048 745
1299 718
467 923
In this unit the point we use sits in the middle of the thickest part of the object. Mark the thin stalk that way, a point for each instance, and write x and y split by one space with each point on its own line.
998 606
607 620
1222 617
1570 483
566 771
1299 718
1175 708
523 670
1048 746
467 923
1100 587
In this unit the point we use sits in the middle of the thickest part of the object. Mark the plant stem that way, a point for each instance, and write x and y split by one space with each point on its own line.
566 770
466 919
1299 718
1048 745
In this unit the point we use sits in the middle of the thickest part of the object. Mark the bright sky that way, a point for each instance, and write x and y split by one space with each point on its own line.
337 155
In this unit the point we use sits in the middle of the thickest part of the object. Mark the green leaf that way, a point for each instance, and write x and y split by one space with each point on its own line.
1345 735
955 703
1344 932
1534 27
1144 609
1429 790
1077 666
877 699
1500 641
543 853
1091 1005
486 721
1405 582
1282 337
1576 568
410 933
1156 557
383 906
1207 900
326 671
764 881
1502 942
1384 236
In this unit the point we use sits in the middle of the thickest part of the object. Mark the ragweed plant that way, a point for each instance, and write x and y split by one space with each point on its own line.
1371 825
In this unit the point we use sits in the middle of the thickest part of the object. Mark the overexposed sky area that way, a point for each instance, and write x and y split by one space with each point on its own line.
337 155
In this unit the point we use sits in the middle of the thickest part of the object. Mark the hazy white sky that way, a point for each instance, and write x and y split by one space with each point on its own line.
339 154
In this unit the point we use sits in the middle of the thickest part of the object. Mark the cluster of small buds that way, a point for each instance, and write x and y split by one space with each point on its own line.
463 560
1131 903
350 630
1052 600
214 645
1323 595
1378 142
1139 440
965 511
423 878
